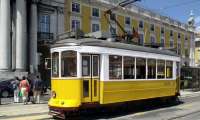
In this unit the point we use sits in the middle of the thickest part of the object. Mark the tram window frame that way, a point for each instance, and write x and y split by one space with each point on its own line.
55 67
95 65
158 65
129 67
177 69
86 66
141 65
68 61
169 65
115 67
151 63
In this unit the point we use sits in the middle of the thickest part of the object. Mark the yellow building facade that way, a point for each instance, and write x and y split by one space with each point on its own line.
197 50
89 16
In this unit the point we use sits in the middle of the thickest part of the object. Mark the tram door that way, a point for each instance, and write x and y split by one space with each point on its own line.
90 73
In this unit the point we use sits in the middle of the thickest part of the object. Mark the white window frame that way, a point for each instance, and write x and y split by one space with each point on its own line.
162 34
44 26
146 68
142 25
178 43
141 32
127 25
152 35
171 40
162 37
134 67
172 33
75 18
186 41
104 62
76 3
95 22
153 27
98 10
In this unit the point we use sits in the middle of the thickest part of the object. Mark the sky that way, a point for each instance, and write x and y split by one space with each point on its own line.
175 9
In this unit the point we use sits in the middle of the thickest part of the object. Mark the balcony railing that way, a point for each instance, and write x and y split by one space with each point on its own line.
45 36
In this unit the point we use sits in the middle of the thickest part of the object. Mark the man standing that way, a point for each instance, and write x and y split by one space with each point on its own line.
37 88
15 86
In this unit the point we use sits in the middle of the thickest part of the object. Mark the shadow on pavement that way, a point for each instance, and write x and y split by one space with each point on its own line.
122 110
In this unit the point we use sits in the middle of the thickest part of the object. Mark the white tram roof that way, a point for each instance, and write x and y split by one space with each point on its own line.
108 44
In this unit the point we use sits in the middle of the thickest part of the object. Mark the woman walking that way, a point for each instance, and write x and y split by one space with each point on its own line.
24 89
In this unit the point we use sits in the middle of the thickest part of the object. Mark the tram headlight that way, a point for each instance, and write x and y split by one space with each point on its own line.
53 94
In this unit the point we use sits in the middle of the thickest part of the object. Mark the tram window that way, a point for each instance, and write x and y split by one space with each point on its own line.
140 68
55 64
151 68
129 68
86 65
160 69
177 69
169 69
95 66
68 62
115 67
86 88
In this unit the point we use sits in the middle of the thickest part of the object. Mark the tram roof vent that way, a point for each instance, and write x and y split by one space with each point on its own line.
99 35
71 34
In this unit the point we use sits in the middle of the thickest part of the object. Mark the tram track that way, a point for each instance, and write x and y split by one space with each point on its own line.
145 108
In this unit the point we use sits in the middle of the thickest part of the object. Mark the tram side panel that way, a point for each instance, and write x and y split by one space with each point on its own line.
121 91
68 93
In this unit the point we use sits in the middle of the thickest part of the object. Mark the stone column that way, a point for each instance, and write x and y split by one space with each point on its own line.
33 38
21 35
13 58
5 43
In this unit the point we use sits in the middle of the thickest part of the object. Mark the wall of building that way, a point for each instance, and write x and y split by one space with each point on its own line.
21 49
197 50
86 18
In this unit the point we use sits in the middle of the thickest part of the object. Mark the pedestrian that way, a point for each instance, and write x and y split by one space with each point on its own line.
15 87
37 89
30 94
24 89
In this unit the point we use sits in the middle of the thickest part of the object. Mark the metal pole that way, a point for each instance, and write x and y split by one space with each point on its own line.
0 97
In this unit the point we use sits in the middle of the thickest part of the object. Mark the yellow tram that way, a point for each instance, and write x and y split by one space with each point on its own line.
92 71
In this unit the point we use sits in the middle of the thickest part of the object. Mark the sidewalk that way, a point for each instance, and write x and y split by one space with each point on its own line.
18 111
189 93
